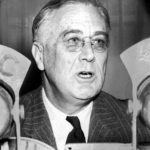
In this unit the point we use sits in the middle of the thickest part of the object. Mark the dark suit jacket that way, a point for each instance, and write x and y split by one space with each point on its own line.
109 121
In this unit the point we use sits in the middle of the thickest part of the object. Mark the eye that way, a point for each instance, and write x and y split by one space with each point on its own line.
73 41
99 44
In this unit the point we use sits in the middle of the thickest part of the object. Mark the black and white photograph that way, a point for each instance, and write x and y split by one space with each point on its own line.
74 74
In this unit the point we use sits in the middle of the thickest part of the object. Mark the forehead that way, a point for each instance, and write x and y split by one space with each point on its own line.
78 16
84 17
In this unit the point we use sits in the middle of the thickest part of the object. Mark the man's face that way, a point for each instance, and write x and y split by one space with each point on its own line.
75 51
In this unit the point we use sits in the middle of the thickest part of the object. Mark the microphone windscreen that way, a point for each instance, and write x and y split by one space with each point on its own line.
143 95
6 105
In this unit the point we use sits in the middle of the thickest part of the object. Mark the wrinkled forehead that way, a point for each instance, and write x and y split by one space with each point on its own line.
81 16
78 16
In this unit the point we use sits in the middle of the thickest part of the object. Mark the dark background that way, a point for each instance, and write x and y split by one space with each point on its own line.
130 21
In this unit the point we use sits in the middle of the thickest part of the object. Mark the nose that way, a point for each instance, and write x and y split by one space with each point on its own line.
87 53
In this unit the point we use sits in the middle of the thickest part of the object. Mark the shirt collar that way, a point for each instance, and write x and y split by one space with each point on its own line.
55 114
52 110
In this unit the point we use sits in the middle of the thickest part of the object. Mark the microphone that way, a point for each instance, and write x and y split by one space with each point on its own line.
143 94
7 98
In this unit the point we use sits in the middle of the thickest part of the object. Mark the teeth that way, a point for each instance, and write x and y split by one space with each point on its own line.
85 74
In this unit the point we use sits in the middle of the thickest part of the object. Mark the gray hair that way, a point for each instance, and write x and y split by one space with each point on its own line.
56 4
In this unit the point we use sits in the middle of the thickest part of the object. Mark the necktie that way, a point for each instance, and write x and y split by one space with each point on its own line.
76 135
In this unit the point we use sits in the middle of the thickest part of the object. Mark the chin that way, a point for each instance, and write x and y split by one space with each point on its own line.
86 95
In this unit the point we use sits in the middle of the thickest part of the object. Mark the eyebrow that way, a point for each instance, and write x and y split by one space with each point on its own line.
71 31
65 32
101 33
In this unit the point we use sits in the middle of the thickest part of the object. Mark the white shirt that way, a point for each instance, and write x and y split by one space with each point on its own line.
61 127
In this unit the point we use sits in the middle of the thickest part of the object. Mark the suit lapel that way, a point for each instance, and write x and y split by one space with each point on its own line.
44 132
109 121
37 116
97 129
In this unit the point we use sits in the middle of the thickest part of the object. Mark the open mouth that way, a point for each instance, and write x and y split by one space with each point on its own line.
85 74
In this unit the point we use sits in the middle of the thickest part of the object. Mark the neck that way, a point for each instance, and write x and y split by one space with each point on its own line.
66 104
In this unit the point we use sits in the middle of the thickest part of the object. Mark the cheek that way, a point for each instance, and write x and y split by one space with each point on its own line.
64 64
101 61
57 60
50 58
65 61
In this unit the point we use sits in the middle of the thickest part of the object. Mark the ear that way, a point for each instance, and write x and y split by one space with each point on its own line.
37 52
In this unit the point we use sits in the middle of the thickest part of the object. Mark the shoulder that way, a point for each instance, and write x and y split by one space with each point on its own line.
109 114
108 98
31 97
110 102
